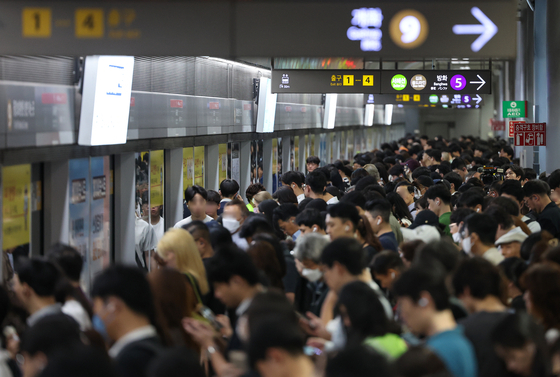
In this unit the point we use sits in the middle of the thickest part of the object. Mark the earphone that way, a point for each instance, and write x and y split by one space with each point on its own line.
392 275
314 229
347 228
423 302
378 221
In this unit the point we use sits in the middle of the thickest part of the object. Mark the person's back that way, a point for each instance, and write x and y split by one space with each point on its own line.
456 351
389 241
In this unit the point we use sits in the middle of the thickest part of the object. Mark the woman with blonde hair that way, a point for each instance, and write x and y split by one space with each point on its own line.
259 198
177 250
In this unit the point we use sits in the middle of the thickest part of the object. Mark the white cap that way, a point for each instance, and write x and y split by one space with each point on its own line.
426 233
515 235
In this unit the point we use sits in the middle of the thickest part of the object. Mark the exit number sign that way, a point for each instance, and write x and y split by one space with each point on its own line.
515 109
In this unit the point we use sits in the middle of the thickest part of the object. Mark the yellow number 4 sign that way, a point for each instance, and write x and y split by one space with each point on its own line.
348 80
89 23
368 80
36 22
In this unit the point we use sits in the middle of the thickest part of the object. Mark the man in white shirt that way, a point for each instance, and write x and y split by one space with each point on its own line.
235 213
294 180
122 299
195 196
145 242
157 221
480 235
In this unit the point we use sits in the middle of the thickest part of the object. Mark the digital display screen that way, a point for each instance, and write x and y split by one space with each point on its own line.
266 111
106 100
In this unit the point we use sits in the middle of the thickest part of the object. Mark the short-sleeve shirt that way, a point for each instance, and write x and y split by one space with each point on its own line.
456 352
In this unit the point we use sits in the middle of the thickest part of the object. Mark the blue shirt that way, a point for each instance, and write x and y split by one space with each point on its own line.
456 352
389 241
296 235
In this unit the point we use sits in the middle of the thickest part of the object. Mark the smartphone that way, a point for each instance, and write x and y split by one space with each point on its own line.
209 315
312 351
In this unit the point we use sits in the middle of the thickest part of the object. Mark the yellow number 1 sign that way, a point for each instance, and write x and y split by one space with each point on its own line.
36 22
348 80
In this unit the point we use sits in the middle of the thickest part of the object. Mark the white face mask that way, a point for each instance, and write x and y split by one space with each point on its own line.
311 274
231 224
457 237
467 245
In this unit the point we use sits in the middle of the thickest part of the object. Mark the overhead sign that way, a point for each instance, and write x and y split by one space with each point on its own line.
497 125
511 128
530 134
465 100
439 82
515 109
479 28
382 29
325 81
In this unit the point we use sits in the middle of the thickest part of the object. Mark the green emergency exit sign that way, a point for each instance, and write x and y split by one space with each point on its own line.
515 109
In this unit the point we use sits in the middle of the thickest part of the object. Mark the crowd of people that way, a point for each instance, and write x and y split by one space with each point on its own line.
426 257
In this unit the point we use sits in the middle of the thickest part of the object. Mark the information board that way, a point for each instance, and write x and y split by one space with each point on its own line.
439 82
530 134
325 81
475 101
514 109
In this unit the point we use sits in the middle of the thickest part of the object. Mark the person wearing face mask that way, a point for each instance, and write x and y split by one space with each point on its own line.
235 213
308 253
123 300
294 180
456 221
378 213
479 235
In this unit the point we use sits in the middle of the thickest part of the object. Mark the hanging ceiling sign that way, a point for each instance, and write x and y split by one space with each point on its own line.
325 81
437 82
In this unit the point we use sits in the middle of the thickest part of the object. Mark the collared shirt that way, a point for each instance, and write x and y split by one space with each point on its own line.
42 313
332 200
133 336
300 198
296 235
412 209
189 220
239 241
493 255
242 308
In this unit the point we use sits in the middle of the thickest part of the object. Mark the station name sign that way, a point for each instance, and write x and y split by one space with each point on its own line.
451 83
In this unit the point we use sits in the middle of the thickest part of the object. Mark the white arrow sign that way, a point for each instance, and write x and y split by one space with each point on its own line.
481 82
478 99
487 29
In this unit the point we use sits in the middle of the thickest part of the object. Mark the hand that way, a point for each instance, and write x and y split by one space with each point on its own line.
226 330
317 343
314 326
202 333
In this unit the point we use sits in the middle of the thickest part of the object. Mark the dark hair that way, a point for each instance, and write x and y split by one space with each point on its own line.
173 362
265 259
483 225
68 259
285 195
481 277
358 361
198 229
507 204
346 212
455 179
355 198
518 329
529 173
229 261
410 248
255 224
516 169
500 216
346 251
128 284
543 282
420 361
254 189
379 207
536 187
228 188
386 260
50 334
191 191
553 179
470 199
434 153
460 215
418 279
80 361
213 196
458 163
316 181
284 212
444 252
219 236
513 268
310 217
313 160
290 177
513 187
357 175
508 150
41 275
399 207
365 311
439 191
274 333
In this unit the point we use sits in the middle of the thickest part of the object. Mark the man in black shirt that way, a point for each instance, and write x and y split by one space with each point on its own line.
477 283
537 198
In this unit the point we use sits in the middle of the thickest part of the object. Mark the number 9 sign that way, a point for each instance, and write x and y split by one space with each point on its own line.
408 29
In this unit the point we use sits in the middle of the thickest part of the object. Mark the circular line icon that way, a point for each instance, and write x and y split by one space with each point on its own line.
434 98
398 82
418 82
458 82
408 28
